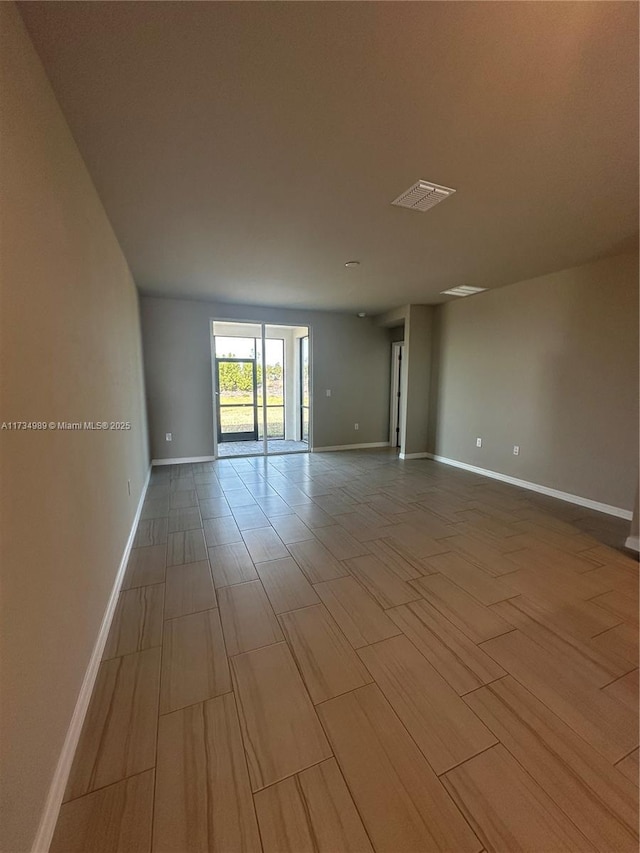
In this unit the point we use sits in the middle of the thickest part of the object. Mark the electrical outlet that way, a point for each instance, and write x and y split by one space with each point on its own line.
169 437
328 392
356 426
516 450
478 442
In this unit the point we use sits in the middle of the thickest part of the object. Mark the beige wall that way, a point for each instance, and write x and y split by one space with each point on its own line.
70 350
350 356
549 364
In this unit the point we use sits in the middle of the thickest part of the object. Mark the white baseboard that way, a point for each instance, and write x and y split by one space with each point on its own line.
183 460
351 446
53 802
536 487
633 543
415 456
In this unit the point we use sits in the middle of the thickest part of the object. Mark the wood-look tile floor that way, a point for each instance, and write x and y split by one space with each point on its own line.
344 652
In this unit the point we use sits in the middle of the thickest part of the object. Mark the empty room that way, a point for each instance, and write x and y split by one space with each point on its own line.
319 424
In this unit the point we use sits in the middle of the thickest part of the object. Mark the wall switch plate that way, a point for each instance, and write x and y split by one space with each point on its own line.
328 392
516 450
356 426
169 437
478 442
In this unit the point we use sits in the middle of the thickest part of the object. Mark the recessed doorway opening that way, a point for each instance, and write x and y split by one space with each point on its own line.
395 414
261 378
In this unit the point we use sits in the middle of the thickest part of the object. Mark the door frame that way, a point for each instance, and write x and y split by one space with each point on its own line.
212 360
395 401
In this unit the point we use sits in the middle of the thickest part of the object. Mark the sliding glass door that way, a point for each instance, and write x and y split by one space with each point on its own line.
261 384
236 384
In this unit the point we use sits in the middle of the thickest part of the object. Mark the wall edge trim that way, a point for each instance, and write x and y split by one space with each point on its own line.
633 543
415 456
53 802
183 460
608 509
363 446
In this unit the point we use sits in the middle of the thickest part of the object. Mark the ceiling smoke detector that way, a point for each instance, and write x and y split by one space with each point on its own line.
463 290
423 196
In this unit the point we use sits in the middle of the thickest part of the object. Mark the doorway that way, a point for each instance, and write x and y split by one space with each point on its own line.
261 380
395 414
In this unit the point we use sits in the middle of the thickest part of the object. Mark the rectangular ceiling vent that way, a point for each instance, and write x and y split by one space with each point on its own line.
423 196
463 290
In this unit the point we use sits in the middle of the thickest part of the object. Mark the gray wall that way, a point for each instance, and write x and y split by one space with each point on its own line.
396 334
350 356
417 379
70 351
417 398
550 364
634 530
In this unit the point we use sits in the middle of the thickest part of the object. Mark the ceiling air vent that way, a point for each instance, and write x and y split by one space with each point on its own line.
463 290
422 196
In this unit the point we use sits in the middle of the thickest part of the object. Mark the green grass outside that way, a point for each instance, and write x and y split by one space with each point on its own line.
241 397
241 419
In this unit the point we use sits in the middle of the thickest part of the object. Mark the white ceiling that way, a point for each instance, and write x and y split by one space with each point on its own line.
246 151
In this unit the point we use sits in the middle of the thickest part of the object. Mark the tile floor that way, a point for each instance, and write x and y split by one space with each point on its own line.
343 652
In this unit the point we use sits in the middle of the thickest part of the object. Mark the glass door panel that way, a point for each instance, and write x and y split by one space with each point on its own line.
236 346
260 388
236 384
276 376
304 388
275 422
274 387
